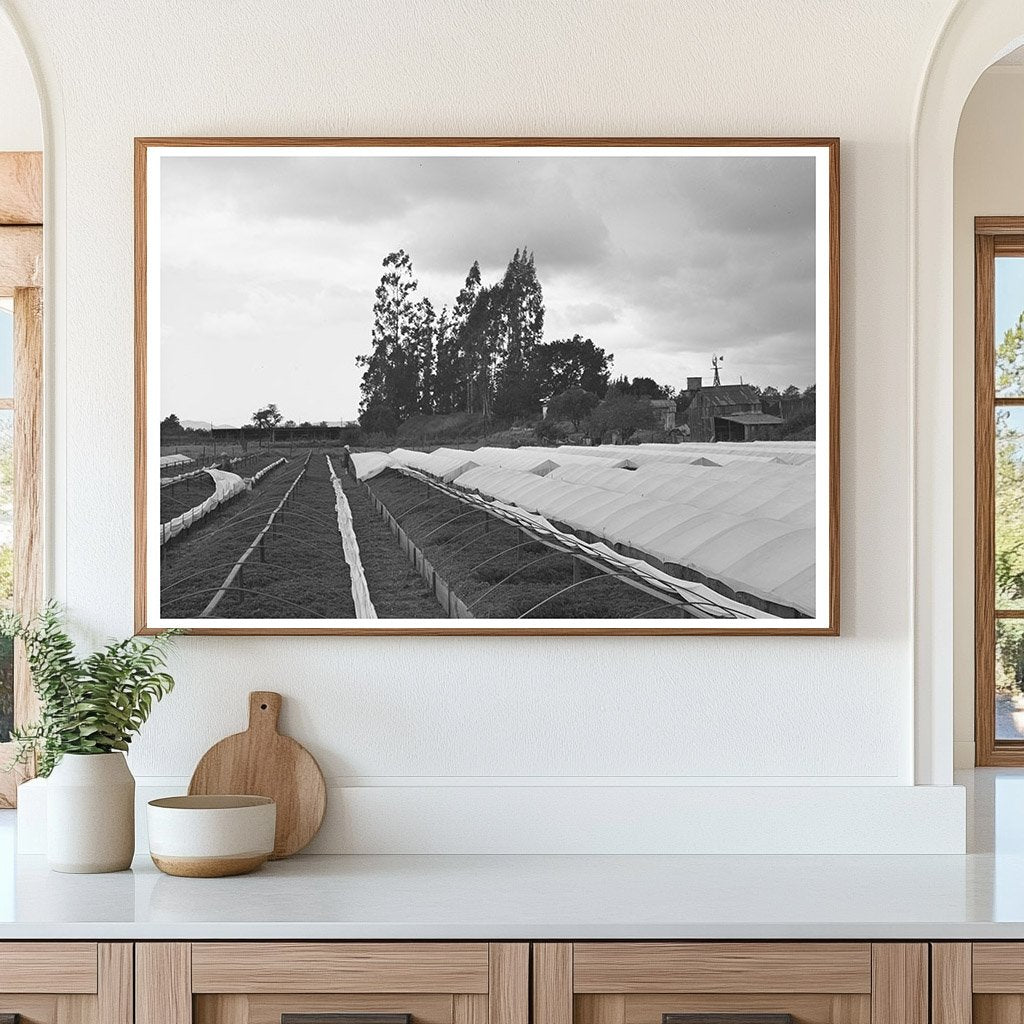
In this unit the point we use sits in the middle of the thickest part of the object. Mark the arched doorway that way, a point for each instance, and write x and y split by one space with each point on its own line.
977 33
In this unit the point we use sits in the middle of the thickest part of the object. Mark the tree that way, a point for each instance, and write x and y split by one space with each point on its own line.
518 304
1010 660
574 362
1009 500
378 419
791 392
170 426
421 355
267 418
477 343
1009 472
771 401
646 387
448 384
391 373
621 413
641 387
1010 361
548 431
462 353
576 405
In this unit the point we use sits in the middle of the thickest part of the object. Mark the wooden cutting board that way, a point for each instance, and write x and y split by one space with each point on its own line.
262 762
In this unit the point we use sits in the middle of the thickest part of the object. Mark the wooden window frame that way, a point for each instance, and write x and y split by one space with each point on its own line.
993 237
21 271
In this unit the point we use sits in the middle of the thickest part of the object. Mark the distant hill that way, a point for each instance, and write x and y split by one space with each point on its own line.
204 425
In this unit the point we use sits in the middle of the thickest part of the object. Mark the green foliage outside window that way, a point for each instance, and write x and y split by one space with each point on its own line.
1009 509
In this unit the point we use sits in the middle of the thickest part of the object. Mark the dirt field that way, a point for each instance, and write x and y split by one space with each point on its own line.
303 573
493 567
186 494
397 590
497 571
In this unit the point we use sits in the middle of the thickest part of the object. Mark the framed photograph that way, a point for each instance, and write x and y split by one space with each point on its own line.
487 386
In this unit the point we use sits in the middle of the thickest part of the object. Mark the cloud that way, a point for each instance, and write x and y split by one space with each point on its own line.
270 264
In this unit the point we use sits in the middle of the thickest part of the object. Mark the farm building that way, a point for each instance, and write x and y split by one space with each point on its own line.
665 409
746 426
729 412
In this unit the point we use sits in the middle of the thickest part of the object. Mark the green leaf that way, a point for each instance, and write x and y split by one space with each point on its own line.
89 705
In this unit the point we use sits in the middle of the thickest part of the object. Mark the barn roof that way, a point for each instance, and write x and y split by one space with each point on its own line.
729 394
751 418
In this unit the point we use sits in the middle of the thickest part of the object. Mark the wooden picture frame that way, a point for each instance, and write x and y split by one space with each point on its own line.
759 615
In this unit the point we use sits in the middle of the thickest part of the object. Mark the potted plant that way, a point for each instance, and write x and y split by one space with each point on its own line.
90 708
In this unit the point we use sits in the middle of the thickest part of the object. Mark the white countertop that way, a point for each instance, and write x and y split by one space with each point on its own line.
516 897
977 896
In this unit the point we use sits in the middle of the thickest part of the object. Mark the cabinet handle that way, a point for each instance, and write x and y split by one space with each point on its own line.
727 1018
334 1018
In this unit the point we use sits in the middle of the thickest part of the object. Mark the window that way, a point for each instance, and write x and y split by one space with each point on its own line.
6 511
999 490
21 366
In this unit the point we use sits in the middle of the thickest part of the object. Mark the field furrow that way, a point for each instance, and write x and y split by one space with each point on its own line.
298 572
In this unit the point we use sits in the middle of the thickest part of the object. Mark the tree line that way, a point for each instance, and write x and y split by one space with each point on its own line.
484 354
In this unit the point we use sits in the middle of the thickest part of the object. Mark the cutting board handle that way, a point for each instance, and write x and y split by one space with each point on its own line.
264 710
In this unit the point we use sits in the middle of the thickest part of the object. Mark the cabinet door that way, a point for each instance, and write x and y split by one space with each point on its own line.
979 982
65 983
730 983
332 983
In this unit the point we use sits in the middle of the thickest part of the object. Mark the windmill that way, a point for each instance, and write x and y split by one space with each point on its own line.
716 362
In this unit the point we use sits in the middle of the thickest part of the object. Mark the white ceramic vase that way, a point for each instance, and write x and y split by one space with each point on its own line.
90 814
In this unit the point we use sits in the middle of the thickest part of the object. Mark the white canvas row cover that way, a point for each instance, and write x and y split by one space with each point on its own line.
717 543
174 460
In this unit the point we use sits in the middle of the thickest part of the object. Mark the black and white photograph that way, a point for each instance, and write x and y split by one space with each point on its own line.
453 386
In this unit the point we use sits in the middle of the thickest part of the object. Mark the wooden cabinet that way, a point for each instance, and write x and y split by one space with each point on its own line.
308 982
493 983
751 982
66 982
979 982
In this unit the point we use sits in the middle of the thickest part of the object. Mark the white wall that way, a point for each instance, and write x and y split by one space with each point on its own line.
434 716
987 181
20 125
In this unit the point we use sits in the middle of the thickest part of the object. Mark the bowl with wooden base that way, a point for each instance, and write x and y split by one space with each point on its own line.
211 836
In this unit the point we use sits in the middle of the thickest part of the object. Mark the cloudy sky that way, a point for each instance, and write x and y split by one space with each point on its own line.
269 264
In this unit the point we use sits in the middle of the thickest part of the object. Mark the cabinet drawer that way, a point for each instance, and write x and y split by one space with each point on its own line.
340 967
634 967
65 967
66 982
333 983
730 983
